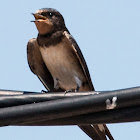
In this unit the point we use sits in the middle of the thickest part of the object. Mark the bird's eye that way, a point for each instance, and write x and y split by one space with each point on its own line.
50 14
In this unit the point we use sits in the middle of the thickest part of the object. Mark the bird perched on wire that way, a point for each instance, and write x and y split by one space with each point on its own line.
56 59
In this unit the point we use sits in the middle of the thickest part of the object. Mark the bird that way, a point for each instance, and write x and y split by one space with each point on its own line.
56 59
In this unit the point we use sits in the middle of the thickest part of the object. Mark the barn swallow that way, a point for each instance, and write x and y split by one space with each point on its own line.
54 56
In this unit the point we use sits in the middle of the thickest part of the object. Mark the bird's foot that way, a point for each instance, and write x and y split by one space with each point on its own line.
44 91
67 91
72 90
77 89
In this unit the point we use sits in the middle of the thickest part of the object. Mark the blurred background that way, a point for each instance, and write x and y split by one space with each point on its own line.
108 33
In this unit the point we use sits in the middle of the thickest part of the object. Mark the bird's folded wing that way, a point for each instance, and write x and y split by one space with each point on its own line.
96 132
80 58
37 64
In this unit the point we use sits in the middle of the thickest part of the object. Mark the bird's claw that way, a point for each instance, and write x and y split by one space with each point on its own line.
44 91
67 91
72 90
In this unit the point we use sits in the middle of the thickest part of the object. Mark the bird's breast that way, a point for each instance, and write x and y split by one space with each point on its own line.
63 64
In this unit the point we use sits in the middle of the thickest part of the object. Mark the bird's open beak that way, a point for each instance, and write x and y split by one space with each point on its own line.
38 17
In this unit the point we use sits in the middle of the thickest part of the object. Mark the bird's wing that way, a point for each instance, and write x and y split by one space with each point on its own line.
37 64
97 132
80 57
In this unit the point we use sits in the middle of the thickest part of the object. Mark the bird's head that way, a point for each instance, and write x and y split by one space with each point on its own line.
48 20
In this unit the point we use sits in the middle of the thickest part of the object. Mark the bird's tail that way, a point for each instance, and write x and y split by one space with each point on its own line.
97 132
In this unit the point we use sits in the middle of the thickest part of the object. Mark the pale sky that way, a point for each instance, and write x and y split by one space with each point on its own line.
108 33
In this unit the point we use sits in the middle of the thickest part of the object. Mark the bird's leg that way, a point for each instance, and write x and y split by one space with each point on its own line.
67 91
72 90
77 89
44 91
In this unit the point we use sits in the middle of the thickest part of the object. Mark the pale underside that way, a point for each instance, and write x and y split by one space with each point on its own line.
63 65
